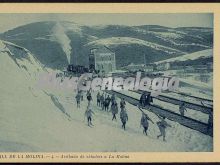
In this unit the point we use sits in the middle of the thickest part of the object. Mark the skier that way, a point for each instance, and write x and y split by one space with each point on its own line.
122 103
210 120
98 99
114 109
143 99
88 114
102 100
89 96
162 125
123 117
113 98
144 122
182 108
78 97
81 94
106 103
149 99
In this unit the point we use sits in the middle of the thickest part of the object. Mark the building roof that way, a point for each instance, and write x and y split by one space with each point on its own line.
103 49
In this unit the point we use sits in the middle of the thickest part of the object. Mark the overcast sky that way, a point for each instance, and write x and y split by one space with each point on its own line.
10 21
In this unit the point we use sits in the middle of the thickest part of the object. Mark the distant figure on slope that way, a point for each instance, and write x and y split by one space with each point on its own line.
102 100
144 122
88 114
149 99
162 125
81 94
113 98
122 103
78 98
106 103
210 120
89 96
143 99
98 97
182 108
123 117
114 109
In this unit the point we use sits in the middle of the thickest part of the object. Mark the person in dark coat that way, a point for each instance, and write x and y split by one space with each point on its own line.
210 121
113 98
78 98
144 122
102 100
143 99
114 109
122 103
98 99
88 114
123 117
81 94
149 99
162 125
182 108
89 96
106 103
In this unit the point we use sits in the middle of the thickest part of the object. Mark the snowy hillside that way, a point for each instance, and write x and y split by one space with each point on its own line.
128 40
193 56
33 119
46 40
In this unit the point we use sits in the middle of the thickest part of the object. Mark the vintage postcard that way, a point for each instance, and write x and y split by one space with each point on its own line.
109 83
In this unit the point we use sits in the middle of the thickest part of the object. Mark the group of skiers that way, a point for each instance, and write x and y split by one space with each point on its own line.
146 99
182 110
103 101
107 103
162 124
88 112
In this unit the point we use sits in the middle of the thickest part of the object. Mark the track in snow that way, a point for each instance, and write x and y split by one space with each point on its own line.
183 120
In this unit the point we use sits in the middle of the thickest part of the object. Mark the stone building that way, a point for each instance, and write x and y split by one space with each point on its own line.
102 59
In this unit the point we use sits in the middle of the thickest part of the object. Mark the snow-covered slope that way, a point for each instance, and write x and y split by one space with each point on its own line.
33 119
193 56
56 46
27 114
128 40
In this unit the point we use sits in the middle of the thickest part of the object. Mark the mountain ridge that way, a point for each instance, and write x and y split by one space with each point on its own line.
38 37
